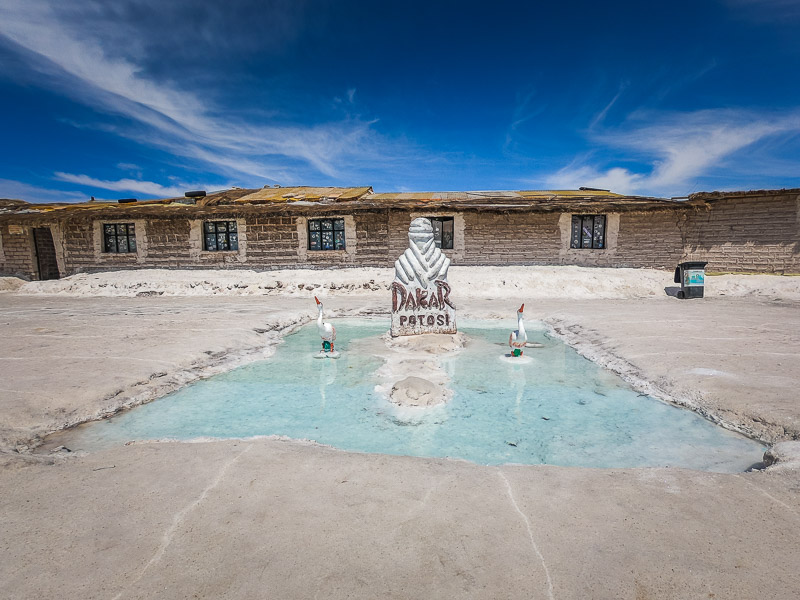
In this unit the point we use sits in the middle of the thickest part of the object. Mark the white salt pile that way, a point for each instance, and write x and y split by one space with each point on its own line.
476 282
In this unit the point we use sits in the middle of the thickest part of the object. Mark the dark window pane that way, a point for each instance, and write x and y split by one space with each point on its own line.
131 243
108 229
221 226
327 240
447 234
314 241
131 229
211 241
338 239
122 243
208 226
586 232
437 232
313 225
575 238
111 244
222 241
231 225
338 224
599 231
233 241
122 229
327 225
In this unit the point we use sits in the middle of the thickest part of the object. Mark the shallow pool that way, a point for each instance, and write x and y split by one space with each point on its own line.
556 408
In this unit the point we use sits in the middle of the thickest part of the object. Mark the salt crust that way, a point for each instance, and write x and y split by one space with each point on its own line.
412 372
474 282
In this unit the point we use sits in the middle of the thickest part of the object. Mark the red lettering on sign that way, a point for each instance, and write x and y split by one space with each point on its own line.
433 302
410 304
397 289
444 294
421 298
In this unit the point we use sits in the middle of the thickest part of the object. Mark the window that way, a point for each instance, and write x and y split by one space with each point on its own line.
442 232
119 237
326 234
588 231
220 236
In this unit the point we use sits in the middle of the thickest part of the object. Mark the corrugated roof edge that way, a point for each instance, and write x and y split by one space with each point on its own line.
717 195
308 193
365 195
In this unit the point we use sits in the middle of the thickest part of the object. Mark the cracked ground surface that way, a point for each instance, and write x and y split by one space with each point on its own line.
271 519
274 519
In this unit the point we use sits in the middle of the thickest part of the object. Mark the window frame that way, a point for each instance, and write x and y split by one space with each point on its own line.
317 226
222 228
442 220
596 239
129 235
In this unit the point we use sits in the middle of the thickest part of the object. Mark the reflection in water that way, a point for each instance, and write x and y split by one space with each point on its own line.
327 377
549 406
516 375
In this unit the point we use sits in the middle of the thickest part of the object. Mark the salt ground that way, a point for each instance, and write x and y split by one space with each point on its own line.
284 519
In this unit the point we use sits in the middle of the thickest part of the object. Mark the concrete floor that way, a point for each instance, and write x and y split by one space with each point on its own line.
271 519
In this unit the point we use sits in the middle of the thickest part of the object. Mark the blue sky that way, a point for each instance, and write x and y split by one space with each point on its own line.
152 98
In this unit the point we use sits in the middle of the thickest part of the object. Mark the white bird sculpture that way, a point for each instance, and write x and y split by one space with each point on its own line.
326 331
518 338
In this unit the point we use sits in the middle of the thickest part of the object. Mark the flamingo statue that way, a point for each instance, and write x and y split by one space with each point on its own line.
326 331
518 338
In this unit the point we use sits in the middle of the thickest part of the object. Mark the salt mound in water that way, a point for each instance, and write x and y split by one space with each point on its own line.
418 392
412 372
429 343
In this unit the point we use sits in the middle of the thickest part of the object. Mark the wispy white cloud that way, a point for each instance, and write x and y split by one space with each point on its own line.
148 188
524 111
163 114
17 190
600 117
672 150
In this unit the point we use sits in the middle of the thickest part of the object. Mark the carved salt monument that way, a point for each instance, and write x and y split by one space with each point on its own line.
420 293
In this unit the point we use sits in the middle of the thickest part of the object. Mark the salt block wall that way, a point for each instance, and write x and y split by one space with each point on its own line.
16 252
373 239
747 234
511 238
167 243
270 240
265 241
650 239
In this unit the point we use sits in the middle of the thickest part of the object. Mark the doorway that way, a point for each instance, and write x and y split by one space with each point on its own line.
45 253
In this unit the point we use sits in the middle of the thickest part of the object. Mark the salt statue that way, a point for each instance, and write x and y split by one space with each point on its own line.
518 338
420 293
328 334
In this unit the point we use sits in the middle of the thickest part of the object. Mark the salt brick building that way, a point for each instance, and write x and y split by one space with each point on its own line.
322 227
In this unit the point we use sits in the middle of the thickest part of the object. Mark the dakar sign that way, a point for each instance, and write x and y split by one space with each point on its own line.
420 292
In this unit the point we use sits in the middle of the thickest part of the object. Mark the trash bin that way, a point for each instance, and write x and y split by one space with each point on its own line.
691 275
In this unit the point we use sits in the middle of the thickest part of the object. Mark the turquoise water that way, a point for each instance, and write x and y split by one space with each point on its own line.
553 408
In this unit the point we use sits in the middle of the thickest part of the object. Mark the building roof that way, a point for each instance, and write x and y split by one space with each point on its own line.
307 199
304 193
490 195
712 196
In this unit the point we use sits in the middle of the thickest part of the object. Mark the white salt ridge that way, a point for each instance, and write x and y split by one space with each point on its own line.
469 282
